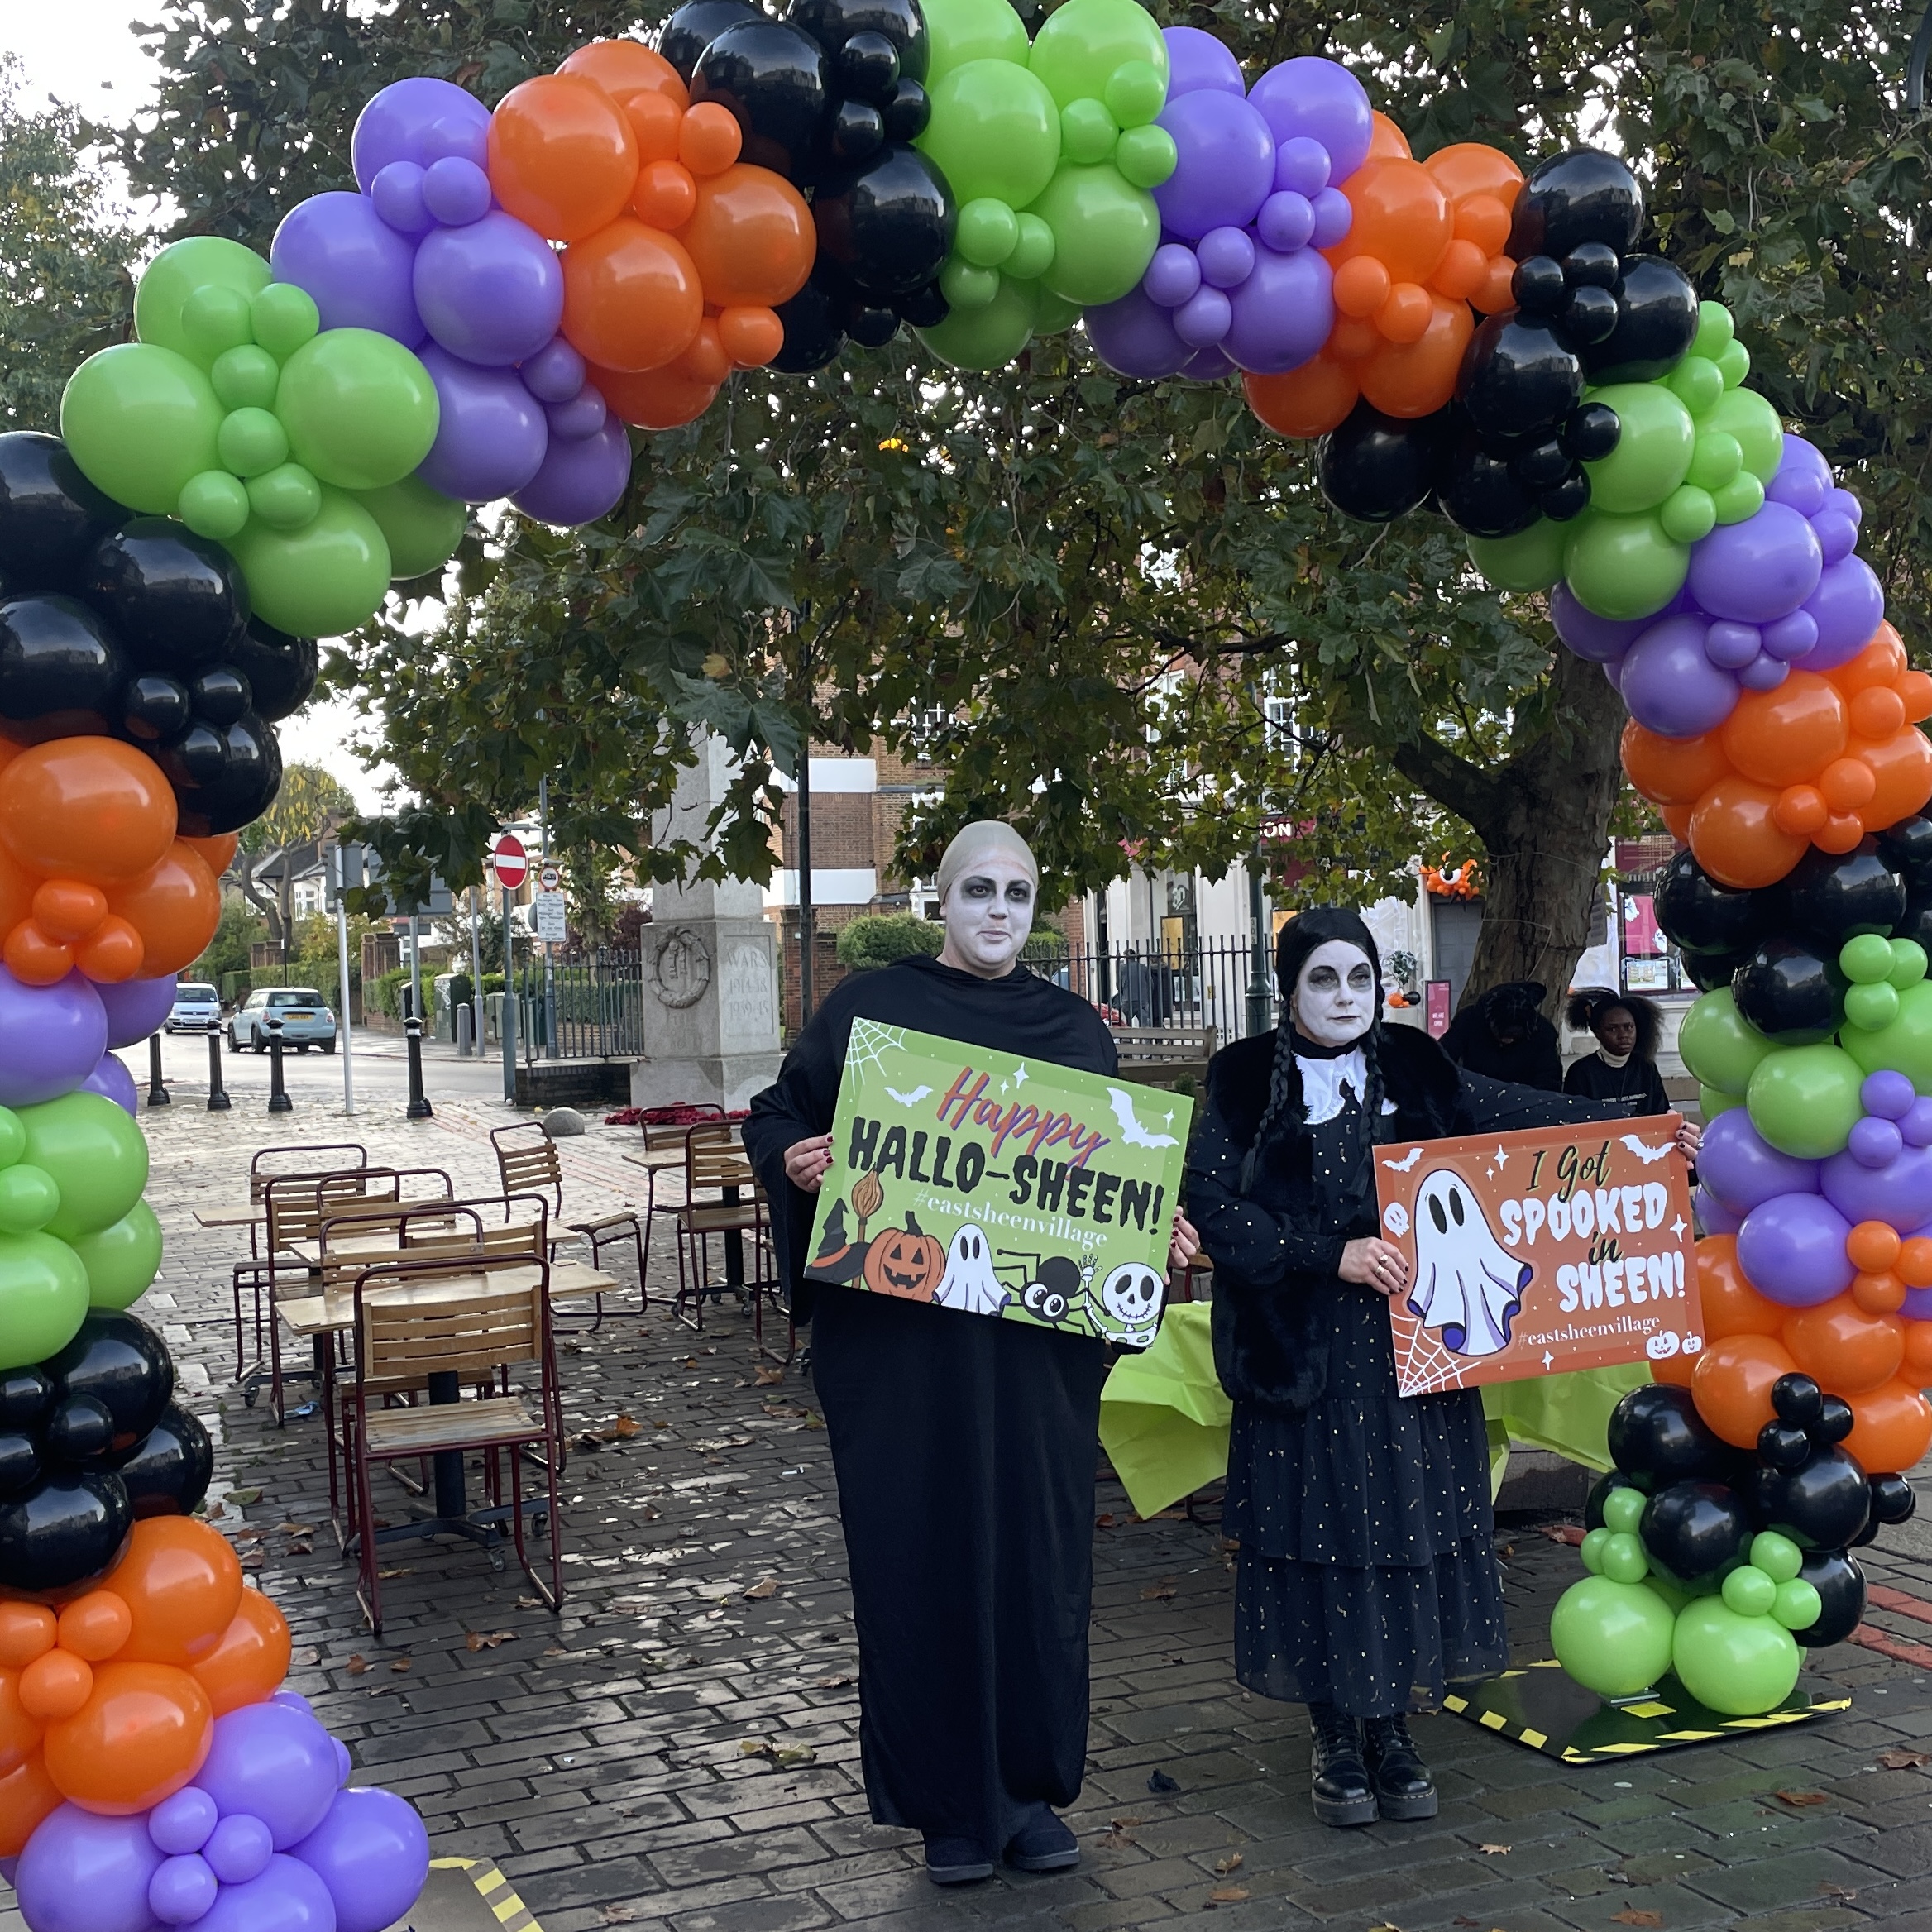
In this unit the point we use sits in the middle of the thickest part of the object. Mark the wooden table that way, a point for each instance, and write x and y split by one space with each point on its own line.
333 1311
236 1214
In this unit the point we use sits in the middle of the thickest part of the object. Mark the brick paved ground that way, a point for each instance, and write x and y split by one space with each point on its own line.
678 1749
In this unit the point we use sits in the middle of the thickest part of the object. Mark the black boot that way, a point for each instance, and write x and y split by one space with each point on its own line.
1403 1788
1338 1781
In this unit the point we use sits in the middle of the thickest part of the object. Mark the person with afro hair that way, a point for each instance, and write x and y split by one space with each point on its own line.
1622 1070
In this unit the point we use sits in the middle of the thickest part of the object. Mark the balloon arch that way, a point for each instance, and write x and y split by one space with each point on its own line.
500 299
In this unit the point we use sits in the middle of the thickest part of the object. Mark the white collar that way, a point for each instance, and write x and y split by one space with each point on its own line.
1323 1081
1613 1059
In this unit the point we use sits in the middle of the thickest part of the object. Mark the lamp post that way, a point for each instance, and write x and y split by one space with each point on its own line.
1260 993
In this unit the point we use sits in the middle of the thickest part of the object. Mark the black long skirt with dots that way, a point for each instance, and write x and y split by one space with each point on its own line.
1366 1576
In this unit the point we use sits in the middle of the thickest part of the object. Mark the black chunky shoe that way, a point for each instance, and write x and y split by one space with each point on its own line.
1043 1843
1338 1781
1403 1788
955 1861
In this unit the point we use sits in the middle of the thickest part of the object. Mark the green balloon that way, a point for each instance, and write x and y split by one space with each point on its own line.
1714 330
246 377
1735 363
1670 1592
1688 514
1080 47
1147 156
213 504
1741 498
1746 415
1718 459
174 276
1908 963
1087 132
43 1296
1613 1639
966 285
1697 383
1623 566
1135 93
1805 1100
12 1137
1866 958
1871 1006
1776 1555
360 409
1624 1510
1032 255
284 317
994 133
987 337
1532 560
1905 1045
213 321
1104 231
121 1261
251 442
960 30
1749 1592
1591 1550
1623 1559
1796 1604
989 231
1711 1102
1653 452
95 1154
286 498
28 1198
1052 313
1740 1666
141 421
421 526
1719 1046
321 579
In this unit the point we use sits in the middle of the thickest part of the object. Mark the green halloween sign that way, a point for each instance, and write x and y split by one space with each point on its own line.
978 1181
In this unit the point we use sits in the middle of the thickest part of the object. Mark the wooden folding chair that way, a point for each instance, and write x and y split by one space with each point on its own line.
663 1155
353 1155
528 1163
722 1198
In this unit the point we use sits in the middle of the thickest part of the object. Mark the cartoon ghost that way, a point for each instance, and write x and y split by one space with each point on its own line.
1467 1285
1130 1302
969 1282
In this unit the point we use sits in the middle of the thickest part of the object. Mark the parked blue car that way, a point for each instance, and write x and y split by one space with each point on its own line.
305 1016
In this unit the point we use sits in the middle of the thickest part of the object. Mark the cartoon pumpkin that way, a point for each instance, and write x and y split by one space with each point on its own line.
905 1261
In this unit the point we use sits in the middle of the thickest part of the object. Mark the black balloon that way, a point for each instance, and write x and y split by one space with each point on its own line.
1593 1505
1783 1446
245 787
1480 493
67 1529
867 65
1835 1420
60 670
925 308
281 669
1823 1505
1520 376
1657 317
1795 1398
1590 316
81 1430
1784 988
220 695
196 759
117 1361
1917 923
25 1395
176 599
169 1473
50 516
1375 467
1657 1438
814 321
1833 896
155 707
21 1464
771 75
1700 916
1583 196
693 27
1907 847
1840 1585
1539 284
1893 1499
906 111
832 23
1592 432
1562 501
1695 1529
856 131
870 321
1708 971
888 225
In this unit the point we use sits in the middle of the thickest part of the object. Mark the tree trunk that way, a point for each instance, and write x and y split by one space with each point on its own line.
270 909
1544 819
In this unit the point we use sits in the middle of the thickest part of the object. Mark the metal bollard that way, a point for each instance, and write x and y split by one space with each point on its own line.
466 1033
217 1095
157 1092
419 1108
278 1095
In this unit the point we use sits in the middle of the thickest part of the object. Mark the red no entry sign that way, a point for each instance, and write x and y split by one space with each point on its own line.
508 861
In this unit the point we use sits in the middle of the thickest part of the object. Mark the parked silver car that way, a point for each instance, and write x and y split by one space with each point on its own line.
195 1004
305 1016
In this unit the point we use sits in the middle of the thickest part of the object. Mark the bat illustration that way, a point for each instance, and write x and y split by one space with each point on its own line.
1131 1131
1406 1163
1650 1156
912 1099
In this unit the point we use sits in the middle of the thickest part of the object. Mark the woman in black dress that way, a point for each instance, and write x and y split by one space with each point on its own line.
1622 1073
964 1447
1366 1570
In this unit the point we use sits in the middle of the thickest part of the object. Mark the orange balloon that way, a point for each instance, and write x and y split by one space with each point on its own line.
1673 771
217 851
1462 270
1915 1261
141 1736
1736 838
113 951
562 157
1402 218
30 1630
1404 317
1386 142
17 887
1352 338
1789 735
55 1686
658 398
705 361
1801 810
665 194
26 1797
1498 290
1847 784
86 808
1880 662
251 1659
95 1625
1844 1349
1729 1304
1918 1351
1732 1385
1361 286
1883 1293
1676 820
656 122
1840 833
751 337
1901 769
1467 169
1677 1370
632 299
1873 1245
183 1583
19 1729
1915 693
1417 379
626 69
1878 712
1306 402
1892 1428
710 139
175 908
751 239
66 909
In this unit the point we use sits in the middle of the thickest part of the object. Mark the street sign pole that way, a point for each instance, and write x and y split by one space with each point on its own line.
345 1030
549 969
477 907
511 864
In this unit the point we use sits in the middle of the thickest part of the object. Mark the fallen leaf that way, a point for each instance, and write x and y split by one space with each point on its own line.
1569 1534
1388 1926
832 1683
475 1640
1157 1593
623 1428
1799 1800
814 1422
529 1603
788 1756
1634 1915
1228 1895
1105 1521
1161 1782
1826 1889
1117 1840
244 1495
768 1378
556 1650
1494 1851
386 1574
294 1529
768 1587
1231 1862
252 1561
311 1655
588 1442
301 1548
401 1666
658 1422
1123 1824
1898 1758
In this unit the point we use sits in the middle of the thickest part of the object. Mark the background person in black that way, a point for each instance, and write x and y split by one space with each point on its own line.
1503 1034
1622 1073
965 1446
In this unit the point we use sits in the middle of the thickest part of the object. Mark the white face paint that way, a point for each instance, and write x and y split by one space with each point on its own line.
988 912
1334 999
1468 1287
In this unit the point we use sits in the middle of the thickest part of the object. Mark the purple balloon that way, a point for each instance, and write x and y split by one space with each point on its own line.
1842 503
290 1897
1226 256
1325 101
492 293
419 120
1207 366
1226 165
54 1036
1671 686
1916 1124
456 192
238 1850
1732 646
492 436
1713 1217
1887 1093
358 268
396 194
1134 337
1895 1193
113 1082
1761 568
1202 320
1742 1169
1847 604
555 373
136 1007
344 1763
1283 312
1874 1142
1764 673
1803 480
373 1854
1197 61
1301 167
1172 275
1286 222
1917 1306
1334 216
83 1873
583 415
291 1700
272 1764
1791 637
582 478
1792 1248
183 1890
181 1823
1837 535
1600 640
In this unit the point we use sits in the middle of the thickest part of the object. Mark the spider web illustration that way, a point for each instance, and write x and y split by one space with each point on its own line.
870 1044
1430 1368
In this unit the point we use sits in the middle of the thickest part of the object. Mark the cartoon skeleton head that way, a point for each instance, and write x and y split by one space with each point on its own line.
1129 1302
1467 1286
969 1282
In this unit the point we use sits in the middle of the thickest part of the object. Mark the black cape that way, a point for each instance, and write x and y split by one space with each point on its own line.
1533 1060
965 1449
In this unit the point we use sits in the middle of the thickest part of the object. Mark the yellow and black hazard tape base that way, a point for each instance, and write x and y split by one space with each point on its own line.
467 1895
1550 1712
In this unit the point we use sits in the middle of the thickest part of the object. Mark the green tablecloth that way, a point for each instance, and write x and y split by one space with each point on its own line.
1164 1418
